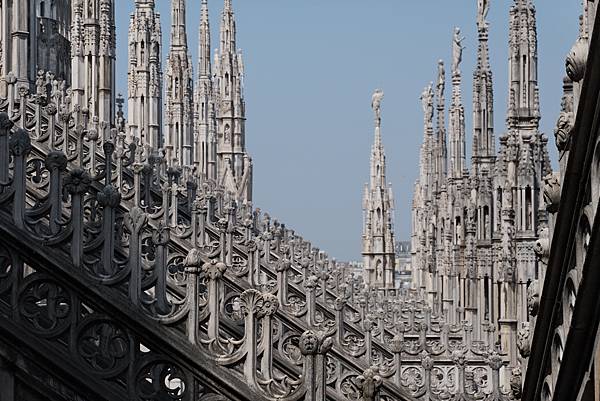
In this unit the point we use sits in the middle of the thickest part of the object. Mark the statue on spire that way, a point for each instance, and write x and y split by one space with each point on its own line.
483 7
441 84
376 105
427 103
457 49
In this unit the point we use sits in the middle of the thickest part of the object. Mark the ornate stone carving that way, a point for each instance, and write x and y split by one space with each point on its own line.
215 270
542 245
495 360
552 192
459 357
515 383
564 125
369 383
577 59
397 344
77 181
533 298
523 340
109 197
269 306
426 361
161 235
315 342
20 142
56 160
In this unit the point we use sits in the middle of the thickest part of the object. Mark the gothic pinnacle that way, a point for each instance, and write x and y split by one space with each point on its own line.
378 235
178 24
204 66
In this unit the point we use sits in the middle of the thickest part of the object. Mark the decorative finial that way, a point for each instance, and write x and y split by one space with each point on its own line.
376 105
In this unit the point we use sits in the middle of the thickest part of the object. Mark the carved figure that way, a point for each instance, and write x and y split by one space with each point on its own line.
441 79
523 343
457 49
533 298
483 7
376 105
515 383
564 125
552 192
427 103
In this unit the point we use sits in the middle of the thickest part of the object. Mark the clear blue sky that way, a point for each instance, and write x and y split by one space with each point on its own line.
311 67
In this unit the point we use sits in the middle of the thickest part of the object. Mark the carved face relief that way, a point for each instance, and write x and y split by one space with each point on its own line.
564 127
533 298
309 343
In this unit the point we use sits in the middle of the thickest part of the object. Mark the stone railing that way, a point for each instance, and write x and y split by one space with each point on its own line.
222 280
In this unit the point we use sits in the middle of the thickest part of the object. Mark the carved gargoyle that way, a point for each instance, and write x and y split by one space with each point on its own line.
552 192
523 343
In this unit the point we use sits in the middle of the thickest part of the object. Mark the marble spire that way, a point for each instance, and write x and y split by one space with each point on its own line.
178 24
228 29
427 181
145 75
484 143
204 69
523 107
457 166
179 92
378 208
441 151
93 42
234 165
205 138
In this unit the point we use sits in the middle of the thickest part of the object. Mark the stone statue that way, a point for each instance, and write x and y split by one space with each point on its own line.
427 102
515 383
441 73
376 105
524 340
483 7
457 49
90 8
441 79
